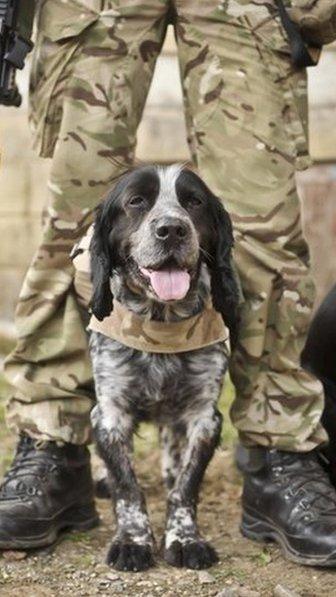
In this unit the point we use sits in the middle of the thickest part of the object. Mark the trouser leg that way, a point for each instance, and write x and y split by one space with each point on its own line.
103 85
246 120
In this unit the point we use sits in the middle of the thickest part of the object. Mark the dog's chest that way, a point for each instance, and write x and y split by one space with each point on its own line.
156 385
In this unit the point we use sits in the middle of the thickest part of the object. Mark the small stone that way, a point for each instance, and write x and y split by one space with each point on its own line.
243 592
181 582
205 578
12 556
283 591
112 577
119 587
104 584
101 568
229 592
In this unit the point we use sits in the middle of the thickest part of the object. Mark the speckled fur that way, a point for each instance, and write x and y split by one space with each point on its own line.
178 392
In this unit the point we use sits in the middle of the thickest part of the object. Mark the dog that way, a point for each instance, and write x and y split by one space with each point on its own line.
161 247
318 357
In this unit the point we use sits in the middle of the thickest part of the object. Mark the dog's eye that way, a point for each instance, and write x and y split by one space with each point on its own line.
137 201
193 201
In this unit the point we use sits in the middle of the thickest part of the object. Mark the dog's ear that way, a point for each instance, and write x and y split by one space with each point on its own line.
101 263
224 286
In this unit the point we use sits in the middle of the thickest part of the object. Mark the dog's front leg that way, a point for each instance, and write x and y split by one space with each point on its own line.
132 546
183 545
171 440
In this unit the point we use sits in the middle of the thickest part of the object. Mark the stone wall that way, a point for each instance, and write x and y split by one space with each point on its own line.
161 137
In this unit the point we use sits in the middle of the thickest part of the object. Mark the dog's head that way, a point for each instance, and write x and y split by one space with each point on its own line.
157 226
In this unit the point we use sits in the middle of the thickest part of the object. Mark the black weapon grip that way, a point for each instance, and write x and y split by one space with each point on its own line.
300 55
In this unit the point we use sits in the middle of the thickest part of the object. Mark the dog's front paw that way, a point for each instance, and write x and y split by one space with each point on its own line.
195 554
130 556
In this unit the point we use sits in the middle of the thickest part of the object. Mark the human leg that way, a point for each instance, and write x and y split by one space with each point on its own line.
97 83
91 74
247 136
246 114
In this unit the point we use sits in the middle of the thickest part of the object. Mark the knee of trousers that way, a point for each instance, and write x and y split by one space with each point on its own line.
271 256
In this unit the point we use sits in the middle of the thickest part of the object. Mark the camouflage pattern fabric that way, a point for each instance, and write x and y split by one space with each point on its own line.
163 337
246 113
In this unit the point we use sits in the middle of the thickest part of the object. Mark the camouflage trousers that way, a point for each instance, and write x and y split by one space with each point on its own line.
245 110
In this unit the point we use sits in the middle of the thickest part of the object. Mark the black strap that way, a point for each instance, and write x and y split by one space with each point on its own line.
300 54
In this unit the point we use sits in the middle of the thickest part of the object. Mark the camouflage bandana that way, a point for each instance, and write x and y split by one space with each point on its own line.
195 332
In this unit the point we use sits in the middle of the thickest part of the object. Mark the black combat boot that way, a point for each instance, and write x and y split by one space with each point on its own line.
288 498
46 490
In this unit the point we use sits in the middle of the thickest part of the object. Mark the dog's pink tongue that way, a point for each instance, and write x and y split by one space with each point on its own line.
169 284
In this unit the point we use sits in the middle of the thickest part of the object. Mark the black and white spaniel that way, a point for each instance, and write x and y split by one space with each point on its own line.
162 247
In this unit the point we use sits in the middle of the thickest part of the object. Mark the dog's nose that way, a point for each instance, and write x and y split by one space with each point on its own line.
171 230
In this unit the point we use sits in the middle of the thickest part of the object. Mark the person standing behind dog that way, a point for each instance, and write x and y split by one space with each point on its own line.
246 115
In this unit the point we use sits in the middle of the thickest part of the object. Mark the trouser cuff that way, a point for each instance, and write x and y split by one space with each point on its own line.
52 420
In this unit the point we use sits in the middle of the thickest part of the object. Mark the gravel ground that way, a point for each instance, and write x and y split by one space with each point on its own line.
75 566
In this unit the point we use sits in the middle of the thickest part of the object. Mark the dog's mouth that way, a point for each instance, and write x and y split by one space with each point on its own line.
169 281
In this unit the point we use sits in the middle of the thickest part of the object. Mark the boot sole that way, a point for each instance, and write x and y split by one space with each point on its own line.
76 518
265 531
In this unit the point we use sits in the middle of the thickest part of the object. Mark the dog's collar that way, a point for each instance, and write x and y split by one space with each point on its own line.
203 329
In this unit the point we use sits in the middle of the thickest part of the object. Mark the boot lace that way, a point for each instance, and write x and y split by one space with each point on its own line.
30 468
308 482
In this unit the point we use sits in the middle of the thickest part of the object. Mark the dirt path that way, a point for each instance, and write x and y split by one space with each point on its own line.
75 566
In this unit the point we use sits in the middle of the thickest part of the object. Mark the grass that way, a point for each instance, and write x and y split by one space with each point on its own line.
78 537
229 434
233 573
4 388
6 438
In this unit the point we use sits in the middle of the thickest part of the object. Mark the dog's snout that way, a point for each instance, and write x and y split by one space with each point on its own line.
172 230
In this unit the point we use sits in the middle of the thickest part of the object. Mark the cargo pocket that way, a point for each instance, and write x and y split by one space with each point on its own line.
290 129
60 32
